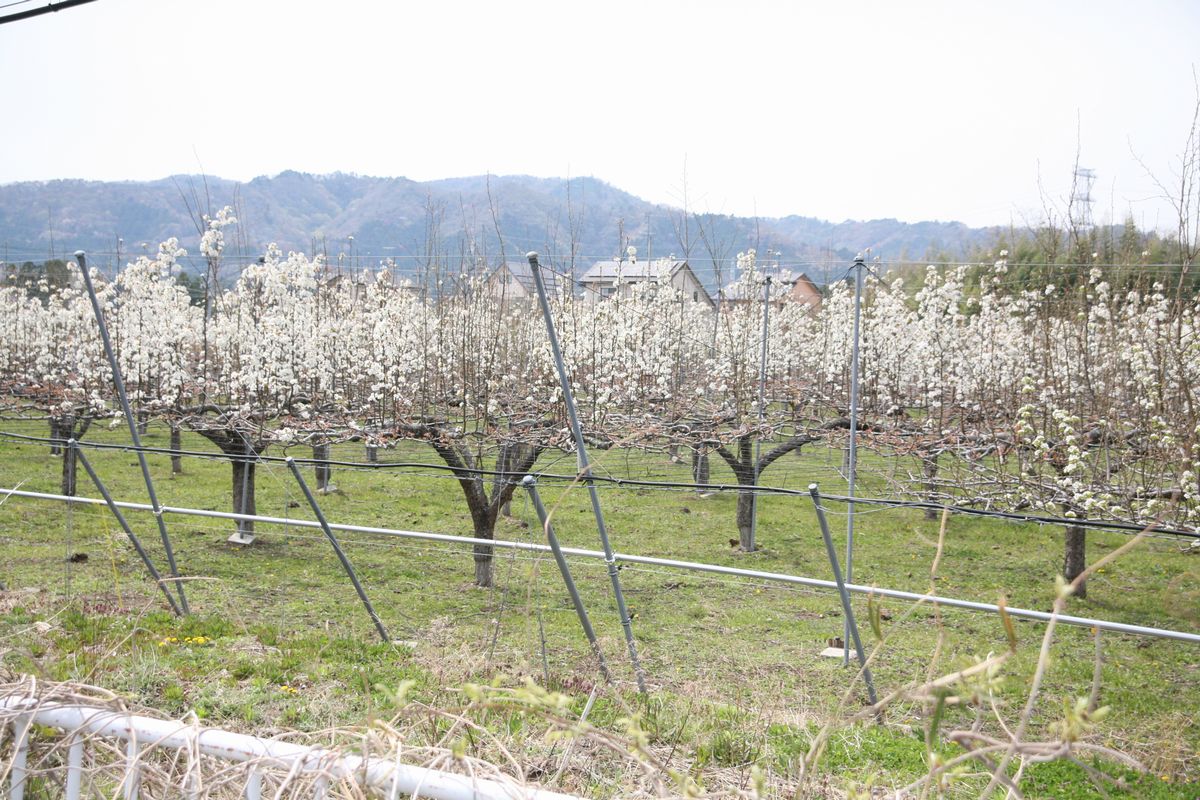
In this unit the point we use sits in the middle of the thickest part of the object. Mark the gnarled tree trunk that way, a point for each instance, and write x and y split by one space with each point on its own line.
1075 556
67 484
512 456
743 469
515 459
484 528
745 519
748 473
700 467
929 468
176 446
243 496
70 427
321 453
242 452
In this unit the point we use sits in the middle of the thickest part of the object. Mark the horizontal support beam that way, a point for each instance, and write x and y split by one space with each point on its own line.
717 569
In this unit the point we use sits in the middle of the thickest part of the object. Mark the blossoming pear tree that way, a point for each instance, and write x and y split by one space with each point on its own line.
52 360
1072 398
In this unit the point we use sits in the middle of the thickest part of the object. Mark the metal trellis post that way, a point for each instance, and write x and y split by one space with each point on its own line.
116 512
851 625
859 267
337 548
585 469
530 484
119 384
762 393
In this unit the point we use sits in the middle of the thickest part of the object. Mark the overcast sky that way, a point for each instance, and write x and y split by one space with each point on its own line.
835 110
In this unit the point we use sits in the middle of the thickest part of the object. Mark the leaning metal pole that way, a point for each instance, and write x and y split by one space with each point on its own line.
762 393
847 609
119 383
530 484
116 512
852 466
585 469
337 548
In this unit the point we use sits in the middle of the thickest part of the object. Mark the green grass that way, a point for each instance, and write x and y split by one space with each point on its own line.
733 663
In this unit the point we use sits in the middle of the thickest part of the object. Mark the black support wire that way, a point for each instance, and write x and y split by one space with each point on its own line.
49 8
884 502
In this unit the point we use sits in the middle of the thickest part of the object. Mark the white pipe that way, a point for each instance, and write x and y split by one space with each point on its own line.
375 772
132 782
17 773
253 788
795 580
74 768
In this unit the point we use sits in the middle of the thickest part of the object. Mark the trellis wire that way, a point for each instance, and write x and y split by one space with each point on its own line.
690 486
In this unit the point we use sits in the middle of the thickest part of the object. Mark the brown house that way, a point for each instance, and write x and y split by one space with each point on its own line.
786 287
803 290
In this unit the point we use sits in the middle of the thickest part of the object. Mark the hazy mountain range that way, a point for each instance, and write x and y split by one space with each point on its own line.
443 221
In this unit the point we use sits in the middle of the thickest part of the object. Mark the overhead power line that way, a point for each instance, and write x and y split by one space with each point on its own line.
46 9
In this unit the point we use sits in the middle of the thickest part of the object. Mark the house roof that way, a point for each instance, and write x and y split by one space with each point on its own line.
803 277
523 275
782 283
635 270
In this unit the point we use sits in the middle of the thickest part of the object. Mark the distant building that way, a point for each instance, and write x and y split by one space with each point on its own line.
803 290
513 280
354 282
786 287
357 283
608 278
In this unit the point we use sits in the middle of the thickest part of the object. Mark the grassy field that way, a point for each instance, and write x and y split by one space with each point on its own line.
737 682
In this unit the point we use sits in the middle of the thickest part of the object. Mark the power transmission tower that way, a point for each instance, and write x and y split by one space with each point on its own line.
1081 198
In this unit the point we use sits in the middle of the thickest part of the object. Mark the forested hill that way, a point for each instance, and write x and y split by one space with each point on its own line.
414 222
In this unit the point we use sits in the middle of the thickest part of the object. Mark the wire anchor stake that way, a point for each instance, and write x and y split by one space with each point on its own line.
337 548
585 470
851 625
530 484
116 512
119 384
